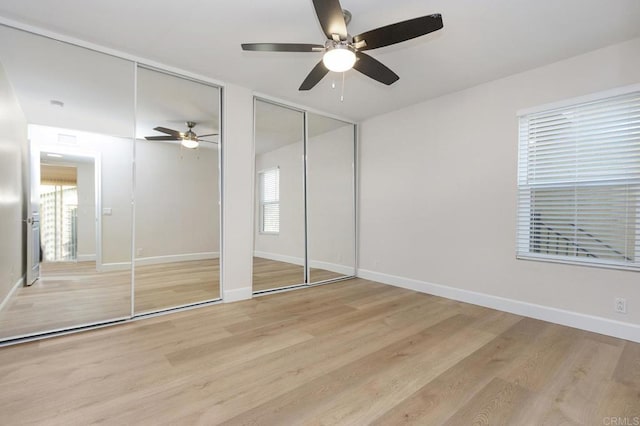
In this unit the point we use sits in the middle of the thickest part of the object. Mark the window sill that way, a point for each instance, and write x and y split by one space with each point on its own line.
590 263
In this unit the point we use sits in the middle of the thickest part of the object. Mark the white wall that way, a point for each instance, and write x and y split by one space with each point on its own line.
13 141
177 193
238 165
438 194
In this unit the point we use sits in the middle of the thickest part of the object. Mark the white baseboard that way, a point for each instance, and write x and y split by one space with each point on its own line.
237 294
279 257
623 330
117 266
156 260
86 258
333 267
6 299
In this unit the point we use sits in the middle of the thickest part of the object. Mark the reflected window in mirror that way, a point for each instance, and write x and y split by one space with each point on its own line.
270 201
279 244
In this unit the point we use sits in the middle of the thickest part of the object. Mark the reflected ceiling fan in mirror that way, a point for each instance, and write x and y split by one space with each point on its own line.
188 139
343 52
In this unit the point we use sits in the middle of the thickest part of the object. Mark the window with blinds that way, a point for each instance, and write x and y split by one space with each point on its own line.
270 201
579 183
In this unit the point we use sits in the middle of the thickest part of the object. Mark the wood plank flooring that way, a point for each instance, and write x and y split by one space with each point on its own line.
354 352
70 294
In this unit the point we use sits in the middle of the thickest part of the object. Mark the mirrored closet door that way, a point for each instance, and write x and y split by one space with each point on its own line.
65 185
177 219
330 193
279 225
304 207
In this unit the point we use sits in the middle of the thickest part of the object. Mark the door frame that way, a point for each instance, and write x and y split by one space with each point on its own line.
97 170
32 272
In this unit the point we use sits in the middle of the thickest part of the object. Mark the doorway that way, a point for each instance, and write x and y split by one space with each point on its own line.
58 214
68 207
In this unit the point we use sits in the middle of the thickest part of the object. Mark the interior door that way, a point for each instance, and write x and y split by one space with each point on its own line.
33 216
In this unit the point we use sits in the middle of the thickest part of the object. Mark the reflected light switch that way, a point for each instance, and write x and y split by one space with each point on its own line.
106 211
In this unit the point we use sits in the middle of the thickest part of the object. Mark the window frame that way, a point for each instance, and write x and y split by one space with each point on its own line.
524 230
262 202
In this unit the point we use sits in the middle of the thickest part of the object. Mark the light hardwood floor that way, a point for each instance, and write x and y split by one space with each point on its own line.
70 294
269 274
353 353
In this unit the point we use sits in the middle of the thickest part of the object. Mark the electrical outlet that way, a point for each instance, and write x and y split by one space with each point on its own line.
139 252
621 305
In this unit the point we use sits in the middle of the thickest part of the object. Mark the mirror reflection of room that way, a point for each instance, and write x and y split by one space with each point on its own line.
176 192
67 126
304 230
279 245
330 198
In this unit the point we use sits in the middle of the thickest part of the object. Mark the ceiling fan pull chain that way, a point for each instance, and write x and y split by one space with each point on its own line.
342 93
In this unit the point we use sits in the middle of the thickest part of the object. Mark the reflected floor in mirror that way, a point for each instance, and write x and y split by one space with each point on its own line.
269 274
71 294
177 283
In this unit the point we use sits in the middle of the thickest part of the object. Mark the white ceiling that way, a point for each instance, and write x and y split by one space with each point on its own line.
481 41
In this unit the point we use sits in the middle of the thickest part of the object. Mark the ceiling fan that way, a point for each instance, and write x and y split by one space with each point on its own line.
188 139
343 52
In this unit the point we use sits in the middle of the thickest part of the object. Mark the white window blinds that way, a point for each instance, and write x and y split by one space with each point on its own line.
579 183
270 201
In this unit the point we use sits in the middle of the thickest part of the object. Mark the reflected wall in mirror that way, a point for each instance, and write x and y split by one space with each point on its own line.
330 198
279 243
177 229
66 258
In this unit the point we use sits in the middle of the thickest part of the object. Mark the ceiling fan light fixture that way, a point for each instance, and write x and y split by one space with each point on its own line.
190 143
340 58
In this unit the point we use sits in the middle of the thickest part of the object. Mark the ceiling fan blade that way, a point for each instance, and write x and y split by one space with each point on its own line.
399 32
161 138
314 77
329 13
210 134
375 69
171 132
282 47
